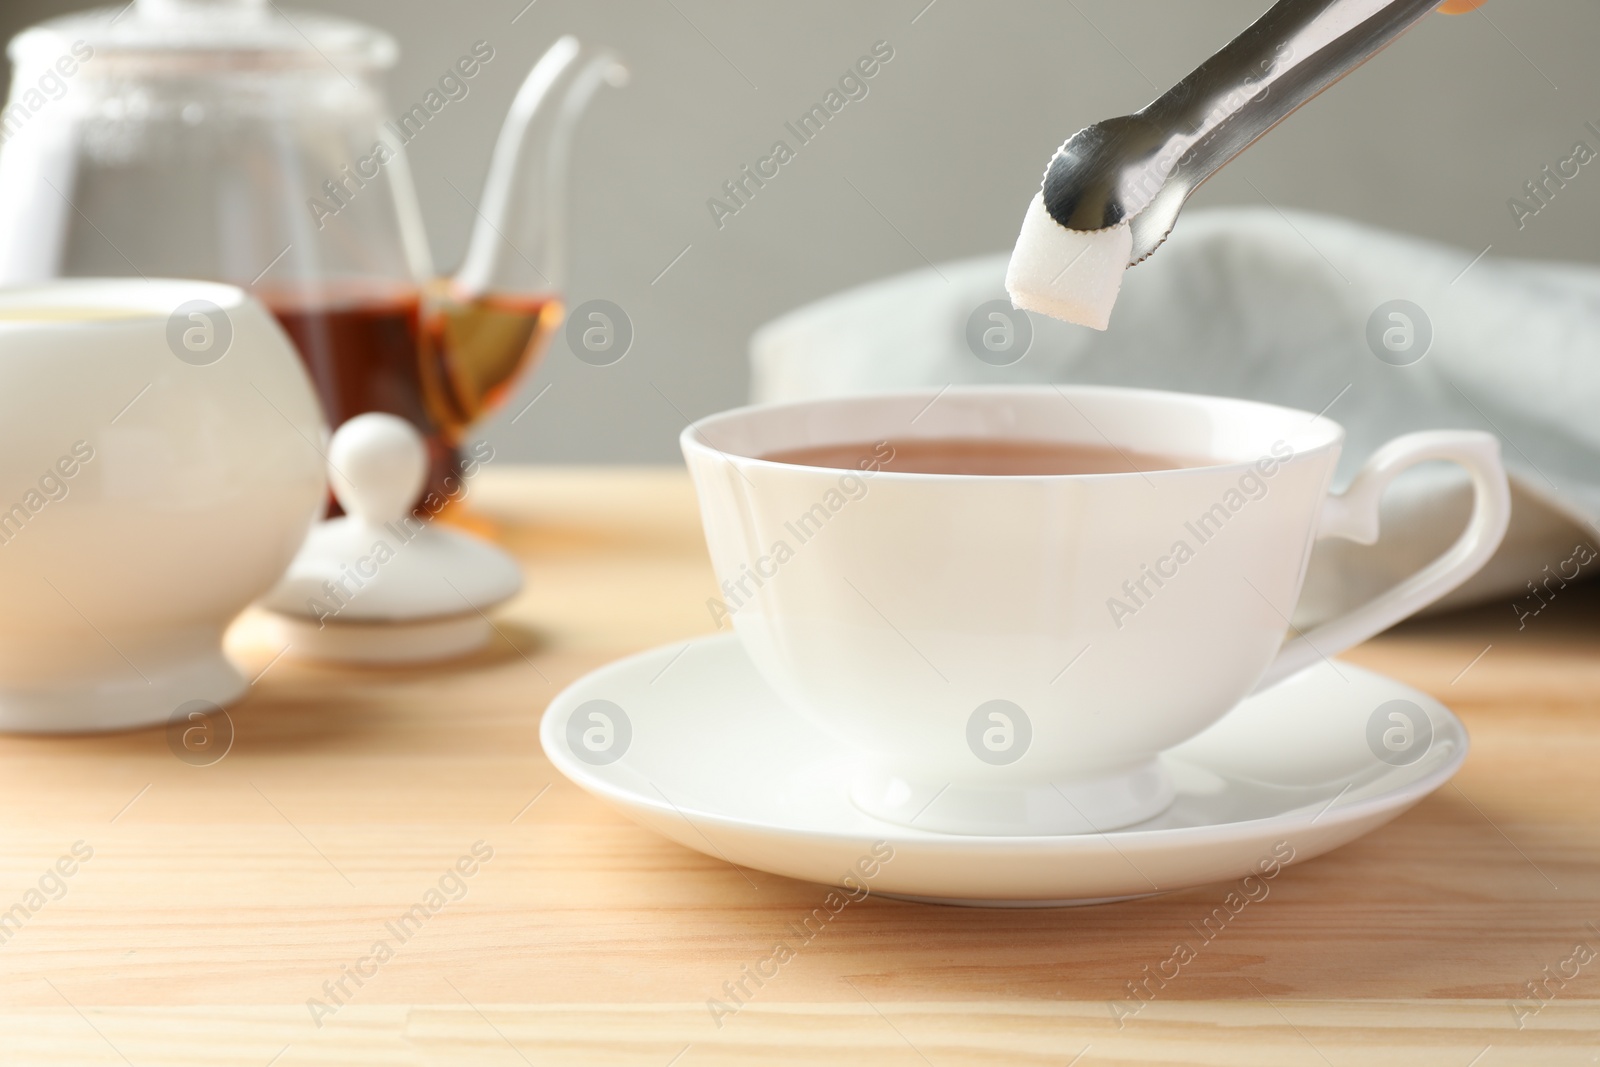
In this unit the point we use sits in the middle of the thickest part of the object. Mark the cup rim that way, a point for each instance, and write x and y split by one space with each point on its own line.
131 300
695 437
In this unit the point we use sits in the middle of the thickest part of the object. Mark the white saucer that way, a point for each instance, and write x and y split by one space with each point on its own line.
706 753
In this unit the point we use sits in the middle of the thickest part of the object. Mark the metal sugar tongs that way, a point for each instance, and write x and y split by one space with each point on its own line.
1141 168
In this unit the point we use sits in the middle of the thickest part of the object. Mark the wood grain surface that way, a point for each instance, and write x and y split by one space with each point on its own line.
221 900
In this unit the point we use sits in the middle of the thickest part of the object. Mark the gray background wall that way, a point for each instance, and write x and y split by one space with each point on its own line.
939 160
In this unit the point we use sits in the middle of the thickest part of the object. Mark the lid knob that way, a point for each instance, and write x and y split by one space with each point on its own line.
377 464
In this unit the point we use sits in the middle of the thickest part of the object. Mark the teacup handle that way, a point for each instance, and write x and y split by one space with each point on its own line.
1353 515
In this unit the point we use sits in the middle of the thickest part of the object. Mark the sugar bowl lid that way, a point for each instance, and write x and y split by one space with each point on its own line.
384 561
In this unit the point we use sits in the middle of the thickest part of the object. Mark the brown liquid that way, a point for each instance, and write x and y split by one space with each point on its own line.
982 455
374 347
479 348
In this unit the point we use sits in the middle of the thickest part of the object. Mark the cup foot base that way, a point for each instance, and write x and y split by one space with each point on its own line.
1076 805
123 703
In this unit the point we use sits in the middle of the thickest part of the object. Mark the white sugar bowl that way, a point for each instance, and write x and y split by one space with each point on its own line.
159 468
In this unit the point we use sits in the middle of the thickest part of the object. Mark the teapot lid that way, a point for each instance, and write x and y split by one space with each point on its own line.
243 32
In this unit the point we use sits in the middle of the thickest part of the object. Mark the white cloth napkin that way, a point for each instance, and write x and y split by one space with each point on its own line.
1276 307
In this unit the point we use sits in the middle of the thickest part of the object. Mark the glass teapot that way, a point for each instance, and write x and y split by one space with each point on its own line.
234 141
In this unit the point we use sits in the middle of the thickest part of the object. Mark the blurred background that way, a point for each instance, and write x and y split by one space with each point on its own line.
937 162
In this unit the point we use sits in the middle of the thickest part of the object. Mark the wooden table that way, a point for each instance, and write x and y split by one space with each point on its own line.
219 899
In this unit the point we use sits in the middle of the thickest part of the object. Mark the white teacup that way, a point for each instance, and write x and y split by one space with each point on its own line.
1009 654
159 466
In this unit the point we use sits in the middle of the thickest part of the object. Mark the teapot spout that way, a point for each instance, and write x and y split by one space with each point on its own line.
519 242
